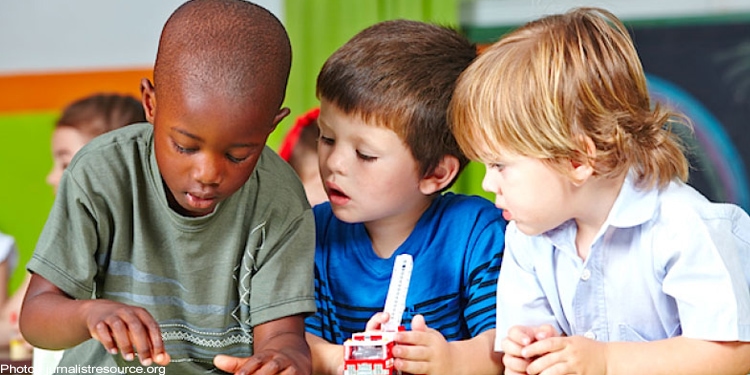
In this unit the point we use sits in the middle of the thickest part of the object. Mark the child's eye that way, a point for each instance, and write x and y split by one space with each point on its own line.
497 166
364 157
182 150
235 159
326 140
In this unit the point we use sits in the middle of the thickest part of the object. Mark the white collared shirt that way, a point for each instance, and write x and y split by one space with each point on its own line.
664 264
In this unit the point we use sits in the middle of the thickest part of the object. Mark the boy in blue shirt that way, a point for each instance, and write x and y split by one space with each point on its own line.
386 157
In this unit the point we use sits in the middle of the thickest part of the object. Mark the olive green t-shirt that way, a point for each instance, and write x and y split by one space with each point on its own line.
206 280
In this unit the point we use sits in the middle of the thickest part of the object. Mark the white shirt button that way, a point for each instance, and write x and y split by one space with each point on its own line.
586 274
590 335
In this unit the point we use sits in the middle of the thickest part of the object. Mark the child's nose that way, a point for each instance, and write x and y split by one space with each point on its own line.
336 161
489 186
208 170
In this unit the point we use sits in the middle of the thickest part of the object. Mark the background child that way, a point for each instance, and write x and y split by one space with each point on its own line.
85 119
300 149
80 122
190 238
386 155
8 260
613 265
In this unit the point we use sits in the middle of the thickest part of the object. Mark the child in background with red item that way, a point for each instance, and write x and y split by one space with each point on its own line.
613 264
300 149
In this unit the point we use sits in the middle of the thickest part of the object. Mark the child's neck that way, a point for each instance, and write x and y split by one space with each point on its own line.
594 201
388 234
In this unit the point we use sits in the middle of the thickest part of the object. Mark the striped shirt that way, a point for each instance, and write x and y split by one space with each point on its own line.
457 249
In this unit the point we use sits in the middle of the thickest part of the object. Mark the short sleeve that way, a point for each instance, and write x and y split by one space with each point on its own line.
282 278
707 274
64 254
486 255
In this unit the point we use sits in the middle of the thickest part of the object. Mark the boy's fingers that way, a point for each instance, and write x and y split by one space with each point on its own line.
418 323
162 359
511 348
544 331
122 338
521 335
102 334
158 354
412 353
514 364
412 367
376 321
154 340
228 364
542 347
141 341
139 326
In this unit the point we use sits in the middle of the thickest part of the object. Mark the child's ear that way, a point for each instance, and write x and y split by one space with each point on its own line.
441 176
148 99
582 170
280 115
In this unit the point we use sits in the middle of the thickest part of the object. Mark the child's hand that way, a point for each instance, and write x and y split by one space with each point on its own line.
120 327
566 355
279 348
514 346
266 362
423 350
376 322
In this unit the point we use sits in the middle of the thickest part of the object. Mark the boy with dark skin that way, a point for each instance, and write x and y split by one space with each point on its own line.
142 253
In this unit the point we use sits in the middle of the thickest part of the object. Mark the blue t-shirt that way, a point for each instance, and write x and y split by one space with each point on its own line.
457 248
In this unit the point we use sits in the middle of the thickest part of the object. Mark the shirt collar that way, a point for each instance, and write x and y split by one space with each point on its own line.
632 207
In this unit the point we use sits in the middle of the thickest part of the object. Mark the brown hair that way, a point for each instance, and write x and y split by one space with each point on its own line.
100 113
545 88
400 74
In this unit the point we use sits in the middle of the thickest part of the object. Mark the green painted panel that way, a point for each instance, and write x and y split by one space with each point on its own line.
470 181
318 27
25 161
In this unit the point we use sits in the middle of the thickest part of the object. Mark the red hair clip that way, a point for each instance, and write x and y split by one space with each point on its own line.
292 137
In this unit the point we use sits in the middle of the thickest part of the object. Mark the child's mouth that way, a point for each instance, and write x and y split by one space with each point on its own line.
200 202
337 197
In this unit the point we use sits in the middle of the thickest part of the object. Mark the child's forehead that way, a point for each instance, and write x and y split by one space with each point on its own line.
371 119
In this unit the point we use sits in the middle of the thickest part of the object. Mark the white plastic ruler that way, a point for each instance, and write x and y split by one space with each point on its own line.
395 302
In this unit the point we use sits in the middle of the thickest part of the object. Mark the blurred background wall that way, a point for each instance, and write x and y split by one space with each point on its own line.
697 54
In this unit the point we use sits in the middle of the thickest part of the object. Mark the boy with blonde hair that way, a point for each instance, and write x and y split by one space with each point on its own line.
613 264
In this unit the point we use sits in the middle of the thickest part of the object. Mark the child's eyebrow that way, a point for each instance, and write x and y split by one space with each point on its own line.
197 138
187 134
61 153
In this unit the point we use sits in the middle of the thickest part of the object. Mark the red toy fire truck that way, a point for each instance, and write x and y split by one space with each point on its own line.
369 353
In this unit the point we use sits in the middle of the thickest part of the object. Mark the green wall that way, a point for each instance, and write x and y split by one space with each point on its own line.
25 161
